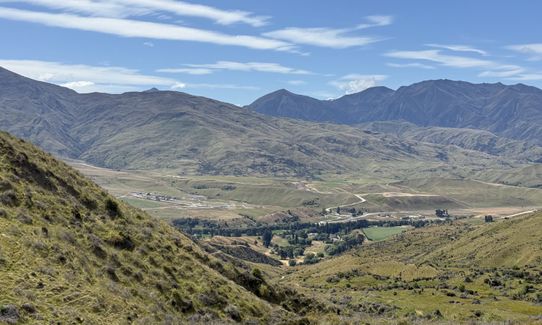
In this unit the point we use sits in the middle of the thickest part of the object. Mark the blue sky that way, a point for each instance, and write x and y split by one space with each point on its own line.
236 50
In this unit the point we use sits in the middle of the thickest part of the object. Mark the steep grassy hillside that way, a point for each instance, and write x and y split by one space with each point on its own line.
71 253
460 272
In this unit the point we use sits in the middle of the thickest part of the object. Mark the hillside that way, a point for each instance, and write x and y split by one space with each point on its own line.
462 272
71 253
470 139
509 111
173 130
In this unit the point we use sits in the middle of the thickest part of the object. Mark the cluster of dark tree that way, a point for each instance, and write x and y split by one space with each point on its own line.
345 243
289 252
312 258
353 211
199 227
267 236
442 213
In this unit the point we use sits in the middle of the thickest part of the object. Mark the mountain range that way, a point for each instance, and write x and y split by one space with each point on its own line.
513 112
174 130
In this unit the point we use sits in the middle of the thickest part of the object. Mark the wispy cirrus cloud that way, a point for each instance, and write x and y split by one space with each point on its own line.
410 65
235 66
338 38
143 29
443 59
296 82
376 21
127 8
458 48
85 78
80 76
354 83
217 86
534 50
527 77
192 71
503 71
489 68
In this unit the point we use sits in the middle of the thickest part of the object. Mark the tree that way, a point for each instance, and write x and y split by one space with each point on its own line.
267 237
310 258
488 218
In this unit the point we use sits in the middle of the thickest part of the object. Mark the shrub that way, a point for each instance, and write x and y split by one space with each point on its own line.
5 185
292 263
23 218
310 258
122 241
257 273
112 208
9 198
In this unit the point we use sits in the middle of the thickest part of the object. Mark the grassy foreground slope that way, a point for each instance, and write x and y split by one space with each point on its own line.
71 253
460 273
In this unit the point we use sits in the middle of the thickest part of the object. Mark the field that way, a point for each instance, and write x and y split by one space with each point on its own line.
381 233
242 200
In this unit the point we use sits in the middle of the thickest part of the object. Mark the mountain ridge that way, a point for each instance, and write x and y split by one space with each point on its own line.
194 134
510 111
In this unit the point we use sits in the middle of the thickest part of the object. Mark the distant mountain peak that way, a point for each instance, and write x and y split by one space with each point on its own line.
152 90
512 111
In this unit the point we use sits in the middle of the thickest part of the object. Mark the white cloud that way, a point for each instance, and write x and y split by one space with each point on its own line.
222 86
78 84
410 65
143 29
323 37
376 21
338 38
90 7
296 82
85 78
527 77
490 68
192 71
443 59
127 8
178 85
459 48
235 66
533 49
354 83
503 71
148 44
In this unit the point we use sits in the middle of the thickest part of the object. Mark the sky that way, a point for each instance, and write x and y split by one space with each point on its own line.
238 50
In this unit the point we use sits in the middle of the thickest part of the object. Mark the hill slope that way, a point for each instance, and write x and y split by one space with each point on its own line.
71 253
470 139
459 272
154 130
